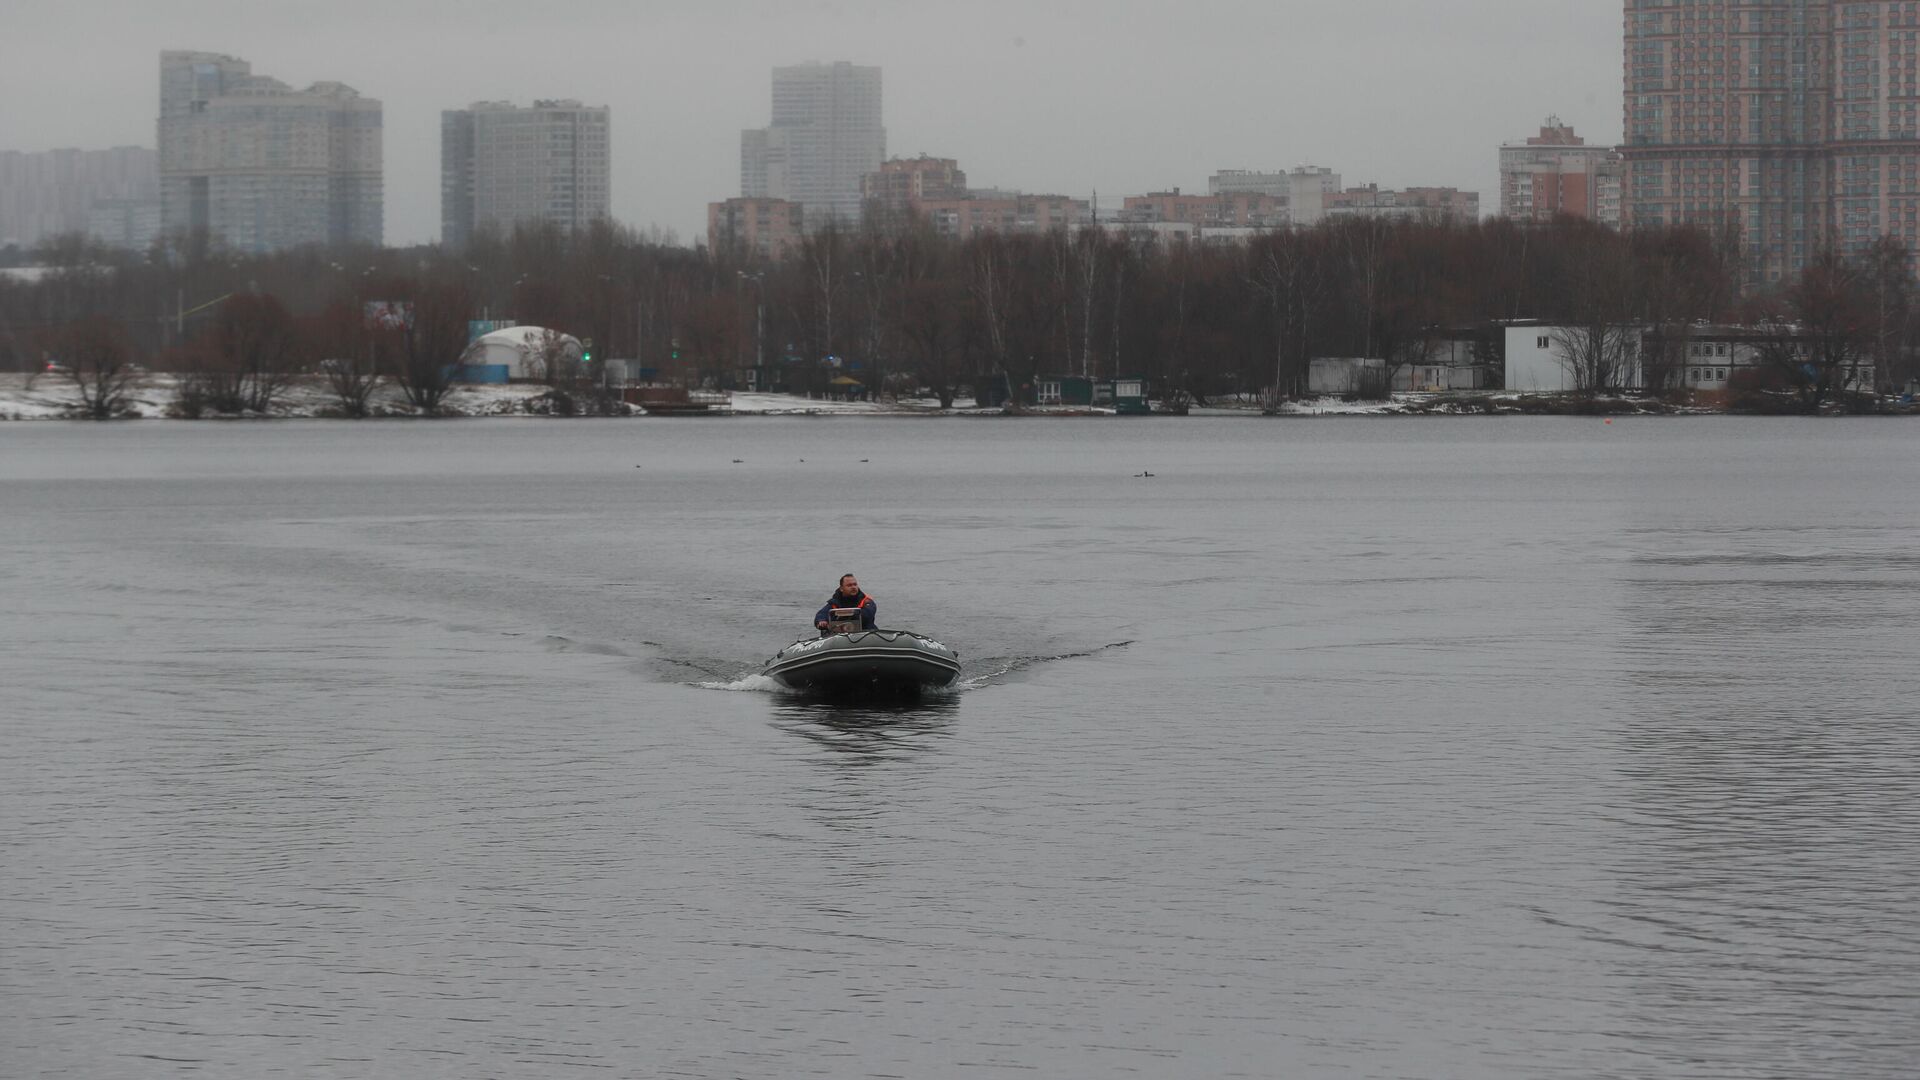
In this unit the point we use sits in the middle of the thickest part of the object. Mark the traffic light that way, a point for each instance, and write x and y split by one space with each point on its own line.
586 351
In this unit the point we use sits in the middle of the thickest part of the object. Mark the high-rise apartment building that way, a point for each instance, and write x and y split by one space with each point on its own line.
1556 173
502 165
261 166
50 192
1796 123
825 136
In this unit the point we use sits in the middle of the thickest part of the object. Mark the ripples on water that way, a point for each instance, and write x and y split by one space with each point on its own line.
1475 749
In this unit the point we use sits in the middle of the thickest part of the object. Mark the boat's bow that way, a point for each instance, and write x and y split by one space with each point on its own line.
878 660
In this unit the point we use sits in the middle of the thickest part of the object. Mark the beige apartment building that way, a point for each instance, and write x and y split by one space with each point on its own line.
261 166
503 165
1794 123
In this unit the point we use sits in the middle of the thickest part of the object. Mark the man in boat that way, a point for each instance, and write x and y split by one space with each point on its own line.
848 595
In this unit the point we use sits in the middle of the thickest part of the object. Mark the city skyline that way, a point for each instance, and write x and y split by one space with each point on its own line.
1043 100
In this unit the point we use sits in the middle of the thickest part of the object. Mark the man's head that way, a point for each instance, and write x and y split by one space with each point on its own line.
849 585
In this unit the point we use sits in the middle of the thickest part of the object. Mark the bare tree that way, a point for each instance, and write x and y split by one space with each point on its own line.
246 358
94 355
431 342
1284 274
992 287
352 355
556 360
1679 276
1888 268
1818 338
1598 347
1599 356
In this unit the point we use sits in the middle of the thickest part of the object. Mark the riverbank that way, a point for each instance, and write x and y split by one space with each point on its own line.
156 397
51 397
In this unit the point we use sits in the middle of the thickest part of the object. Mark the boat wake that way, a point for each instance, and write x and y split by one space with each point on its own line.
992 671
754 683
998 669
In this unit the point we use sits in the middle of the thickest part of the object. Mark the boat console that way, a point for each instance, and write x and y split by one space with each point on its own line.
842 620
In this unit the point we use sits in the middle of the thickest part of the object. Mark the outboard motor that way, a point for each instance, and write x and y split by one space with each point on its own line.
842 620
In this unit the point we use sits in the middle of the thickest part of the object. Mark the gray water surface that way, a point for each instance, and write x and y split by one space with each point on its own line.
1347 748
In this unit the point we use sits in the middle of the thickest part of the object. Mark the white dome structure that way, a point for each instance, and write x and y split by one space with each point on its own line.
525 351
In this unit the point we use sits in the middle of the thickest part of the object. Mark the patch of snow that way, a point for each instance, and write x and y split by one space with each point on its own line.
1333 406
753 404
55 398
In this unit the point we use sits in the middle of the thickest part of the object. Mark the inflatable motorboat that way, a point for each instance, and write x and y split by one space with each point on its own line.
846 659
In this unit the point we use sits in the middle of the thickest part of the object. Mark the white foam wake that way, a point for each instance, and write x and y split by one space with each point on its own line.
747 684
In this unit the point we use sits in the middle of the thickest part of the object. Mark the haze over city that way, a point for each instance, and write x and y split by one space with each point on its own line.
1121 98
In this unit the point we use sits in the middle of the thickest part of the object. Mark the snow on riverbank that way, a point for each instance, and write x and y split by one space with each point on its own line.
54 397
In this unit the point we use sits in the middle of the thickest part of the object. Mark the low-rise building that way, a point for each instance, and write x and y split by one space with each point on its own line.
1714 359
1702 358
1417 204
1246 209
1347 376
962 218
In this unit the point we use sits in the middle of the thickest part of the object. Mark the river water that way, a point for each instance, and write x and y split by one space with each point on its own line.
1475 748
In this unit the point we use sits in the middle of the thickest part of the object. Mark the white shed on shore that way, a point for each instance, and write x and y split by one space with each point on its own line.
1548 359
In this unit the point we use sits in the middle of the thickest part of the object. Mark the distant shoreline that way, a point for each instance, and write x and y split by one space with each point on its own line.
307 398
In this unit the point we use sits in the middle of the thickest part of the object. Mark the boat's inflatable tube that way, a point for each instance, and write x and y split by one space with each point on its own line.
875 661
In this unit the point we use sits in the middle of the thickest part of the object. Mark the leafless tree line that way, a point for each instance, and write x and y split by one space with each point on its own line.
914 309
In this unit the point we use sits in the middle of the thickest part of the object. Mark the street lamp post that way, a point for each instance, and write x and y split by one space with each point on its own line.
759 316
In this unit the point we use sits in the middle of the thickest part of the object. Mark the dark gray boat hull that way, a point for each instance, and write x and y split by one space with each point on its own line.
867 661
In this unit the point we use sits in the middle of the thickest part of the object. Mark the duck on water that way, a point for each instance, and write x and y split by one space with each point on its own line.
853 656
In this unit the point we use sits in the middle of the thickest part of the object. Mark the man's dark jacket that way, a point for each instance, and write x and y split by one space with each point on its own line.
868 609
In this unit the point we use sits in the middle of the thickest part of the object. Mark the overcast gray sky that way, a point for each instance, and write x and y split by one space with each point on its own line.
1123 96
